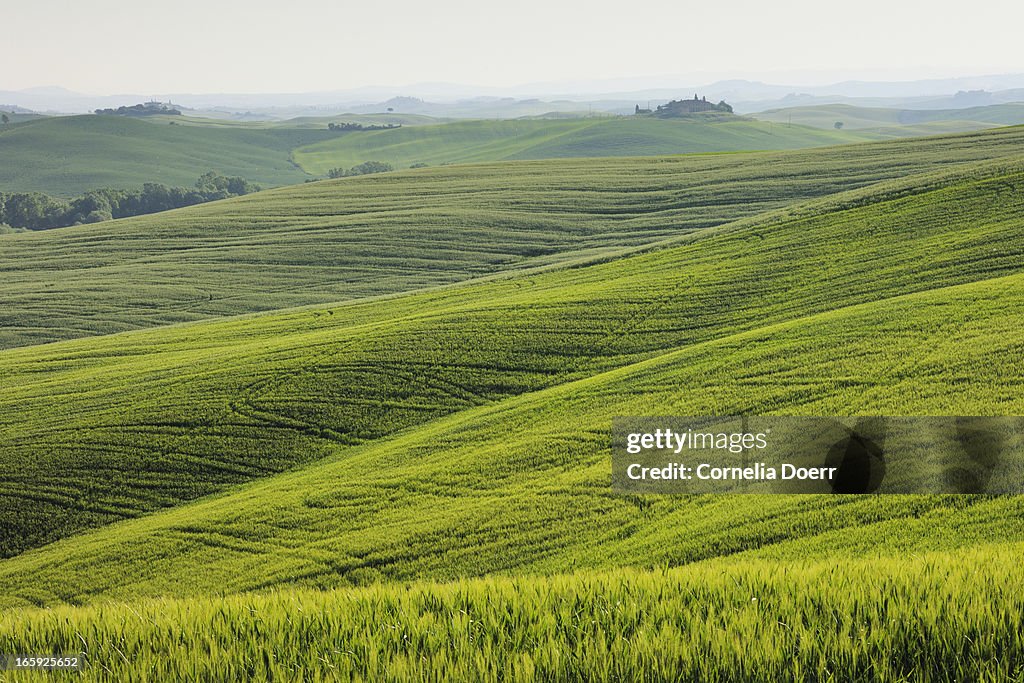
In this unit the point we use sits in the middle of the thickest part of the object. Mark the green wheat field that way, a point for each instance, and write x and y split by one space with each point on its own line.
360 429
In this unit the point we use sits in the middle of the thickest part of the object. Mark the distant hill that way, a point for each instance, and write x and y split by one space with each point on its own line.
387 233
475 141
895 121
17 114
14 109
68 155
365 119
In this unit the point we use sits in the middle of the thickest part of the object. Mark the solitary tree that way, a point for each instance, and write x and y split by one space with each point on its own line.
5 118
838 125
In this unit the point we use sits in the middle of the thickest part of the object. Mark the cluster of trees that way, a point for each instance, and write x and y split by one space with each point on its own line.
345 127
361 169
147 109
38 211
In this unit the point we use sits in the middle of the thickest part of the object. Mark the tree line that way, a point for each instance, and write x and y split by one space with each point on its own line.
39 211
361 169
344 127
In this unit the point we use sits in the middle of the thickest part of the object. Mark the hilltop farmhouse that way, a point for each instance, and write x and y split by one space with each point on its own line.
676 108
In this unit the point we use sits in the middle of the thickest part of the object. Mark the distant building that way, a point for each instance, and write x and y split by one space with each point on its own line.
151 108
697 105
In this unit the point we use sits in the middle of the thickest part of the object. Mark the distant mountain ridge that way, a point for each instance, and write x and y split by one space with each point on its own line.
618 95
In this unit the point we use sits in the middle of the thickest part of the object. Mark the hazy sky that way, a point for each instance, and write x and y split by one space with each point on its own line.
141 46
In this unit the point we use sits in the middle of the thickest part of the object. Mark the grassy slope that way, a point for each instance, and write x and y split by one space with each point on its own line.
111 427
68 155
937 617
358 237
475 141
365 119
315 122
522 486
893 121
790 324
19 118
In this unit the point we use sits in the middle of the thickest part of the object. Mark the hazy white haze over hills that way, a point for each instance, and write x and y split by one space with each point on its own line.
566 47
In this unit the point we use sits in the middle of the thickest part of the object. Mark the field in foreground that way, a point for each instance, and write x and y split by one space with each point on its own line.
954 616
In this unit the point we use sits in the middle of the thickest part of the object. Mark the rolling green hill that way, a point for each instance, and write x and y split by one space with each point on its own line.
314 122
897 122
385 234
522 486
365 119
475 141
14 118
68 155
409 477
428 413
